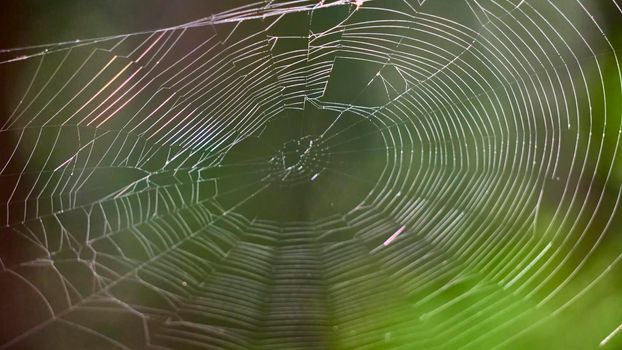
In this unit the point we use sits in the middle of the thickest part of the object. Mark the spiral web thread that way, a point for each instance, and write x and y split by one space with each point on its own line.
131 214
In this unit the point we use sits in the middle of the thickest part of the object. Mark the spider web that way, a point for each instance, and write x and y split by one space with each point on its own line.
313 174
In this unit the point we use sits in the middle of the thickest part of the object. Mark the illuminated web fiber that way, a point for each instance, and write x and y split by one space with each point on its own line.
316 174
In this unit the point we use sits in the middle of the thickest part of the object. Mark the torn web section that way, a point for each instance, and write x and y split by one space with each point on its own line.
93 207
